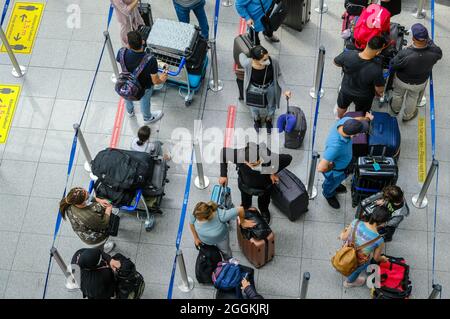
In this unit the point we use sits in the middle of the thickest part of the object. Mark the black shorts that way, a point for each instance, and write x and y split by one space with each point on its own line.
362 103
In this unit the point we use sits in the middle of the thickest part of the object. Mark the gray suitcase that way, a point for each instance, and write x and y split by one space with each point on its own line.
159 177
299 13
242 44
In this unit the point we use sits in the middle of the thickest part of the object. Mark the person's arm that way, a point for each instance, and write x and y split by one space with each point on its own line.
281 82
400 60
244 61
197 240
227 155
241 8
377 254
394 221
124 8
250 290
346 233
339 60
368 117
284 161
324 166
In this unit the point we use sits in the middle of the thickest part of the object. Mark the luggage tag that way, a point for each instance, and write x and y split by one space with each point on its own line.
376 166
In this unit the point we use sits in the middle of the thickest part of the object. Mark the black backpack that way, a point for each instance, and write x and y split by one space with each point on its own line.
129 282
207 260
260 231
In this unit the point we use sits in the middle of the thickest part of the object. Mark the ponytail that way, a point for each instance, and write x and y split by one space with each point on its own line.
75 197
143 135
205 210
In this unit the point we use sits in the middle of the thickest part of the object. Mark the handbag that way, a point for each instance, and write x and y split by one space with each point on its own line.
257 96
275 16
114 222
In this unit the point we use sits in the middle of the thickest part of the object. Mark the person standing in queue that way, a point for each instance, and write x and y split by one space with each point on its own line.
183 9
257 169
128 16
338 155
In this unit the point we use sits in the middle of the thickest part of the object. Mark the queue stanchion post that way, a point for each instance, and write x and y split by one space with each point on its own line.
187 283
420 200
312 190
112 57
317 89
436 293
305 284
322 7
215 84
84 148
420 13
71 283
201 181
18 70
227 3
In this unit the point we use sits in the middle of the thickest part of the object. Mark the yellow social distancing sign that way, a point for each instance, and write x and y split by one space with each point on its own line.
422 149
9 95
23 26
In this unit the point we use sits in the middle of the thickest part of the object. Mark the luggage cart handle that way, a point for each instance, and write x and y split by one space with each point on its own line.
180 68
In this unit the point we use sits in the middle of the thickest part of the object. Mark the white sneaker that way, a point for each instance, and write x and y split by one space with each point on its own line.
156 116
360 281
131 115
109 246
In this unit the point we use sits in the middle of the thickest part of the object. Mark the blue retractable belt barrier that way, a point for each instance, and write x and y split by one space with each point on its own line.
316 114
181 224
73 152
216 17
5 10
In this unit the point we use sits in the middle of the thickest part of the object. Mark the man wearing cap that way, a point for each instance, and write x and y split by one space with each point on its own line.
413 66
257 169
338 155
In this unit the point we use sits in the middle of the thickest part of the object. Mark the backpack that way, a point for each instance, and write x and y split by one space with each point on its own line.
374 21
345 260
227 275
129 283
394 280
355 7
207 260
128 85
260 231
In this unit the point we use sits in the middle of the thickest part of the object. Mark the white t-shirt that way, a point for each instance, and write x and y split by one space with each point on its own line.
147 147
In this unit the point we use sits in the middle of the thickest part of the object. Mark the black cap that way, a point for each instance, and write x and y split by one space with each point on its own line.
353 127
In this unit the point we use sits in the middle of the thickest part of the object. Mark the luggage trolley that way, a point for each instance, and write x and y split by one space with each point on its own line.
149 219
181 47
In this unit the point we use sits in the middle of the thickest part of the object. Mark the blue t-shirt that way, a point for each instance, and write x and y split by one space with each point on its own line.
338 149
215 230
364 235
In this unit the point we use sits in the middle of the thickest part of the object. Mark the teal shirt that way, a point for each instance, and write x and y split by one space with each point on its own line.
364 235
338 149
215 230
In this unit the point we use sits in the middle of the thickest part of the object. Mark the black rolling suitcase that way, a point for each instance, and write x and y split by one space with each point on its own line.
372 174
145 10
299 13
294 134
242 44
290 195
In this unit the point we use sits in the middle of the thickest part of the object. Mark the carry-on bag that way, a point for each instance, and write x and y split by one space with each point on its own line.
372 174
394 280
221 195
373 21
242 44
258 252
208 258
360 142
130 283
145 10
248 273
294 124
261 230
274 16
290 195
384 134
298 13
355 7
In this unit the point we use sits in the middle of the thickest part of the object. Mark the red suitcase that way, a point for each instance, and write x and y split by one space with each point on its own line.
258 252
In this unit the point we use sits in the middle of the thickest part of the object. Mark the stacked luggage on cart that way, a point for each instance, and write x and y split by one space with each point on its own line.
173 42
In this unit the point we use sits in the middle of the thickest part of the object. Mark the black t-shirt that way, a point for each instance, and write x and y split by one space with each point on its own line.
132 61
360 76
259 75
393 6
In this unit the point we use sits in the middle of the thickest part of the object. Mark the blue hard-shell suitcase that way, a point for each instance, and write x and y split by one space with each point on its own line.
222 196
384 133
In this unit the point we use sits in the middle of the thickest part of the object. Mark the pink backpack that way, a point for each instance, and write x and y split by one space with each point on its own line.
374 21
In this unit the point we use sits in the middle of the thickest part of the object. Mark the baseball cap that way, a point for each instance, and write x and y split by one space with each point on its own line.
353 127
419 32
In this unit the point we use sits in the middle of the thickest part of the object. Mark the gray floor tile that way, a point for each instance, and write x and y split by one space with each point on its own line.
101 117
420 283
104 89
65 114
130 228
221 100
75 85
35 86
157 273
196 293
33 252
325 282
166 228
17 177
320 210
226 35
281 276
33 112
288 237
7 77
57 147
442 221
50 180
57 290
25 285
418 218
91 22
320 240
181 120
95 143
443 279
41 216
59 5
442 254
24 144
155 291
8 248
411 245
4 276
84 55
292 66
54 26
12 212
46 48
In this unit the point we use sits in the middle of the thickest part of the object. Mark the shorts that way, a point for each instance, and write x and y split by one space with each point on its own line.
362 104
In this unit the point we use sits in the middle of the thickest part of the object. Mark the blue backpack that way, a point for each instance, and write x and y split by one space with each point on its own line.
227 276
128 85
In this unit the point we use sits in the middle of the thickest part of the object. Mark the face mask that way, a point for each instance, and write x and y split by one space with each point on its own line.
266 63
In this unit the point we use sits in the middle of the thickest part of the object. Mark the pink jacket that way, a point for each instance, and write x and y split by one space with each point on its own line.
129 19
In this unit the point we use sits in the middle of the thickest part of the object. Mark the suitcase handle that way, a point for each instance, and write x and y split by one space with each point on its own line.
175 73
287 104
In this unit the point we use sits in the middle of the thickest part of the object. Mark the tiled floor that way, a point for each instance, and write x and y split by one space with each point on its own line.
33 163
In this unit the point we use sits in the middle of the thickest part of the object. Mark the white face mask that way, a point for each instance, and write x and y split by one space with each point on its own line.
266 63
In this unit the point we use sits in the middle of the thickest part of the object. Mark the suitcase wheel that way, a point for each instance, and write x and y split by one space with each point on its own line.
188 103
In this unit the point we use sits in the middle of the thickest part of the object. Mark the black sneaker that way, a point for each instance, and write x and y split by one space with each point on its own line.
333 202
266 217
341 189
269 127
257 126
